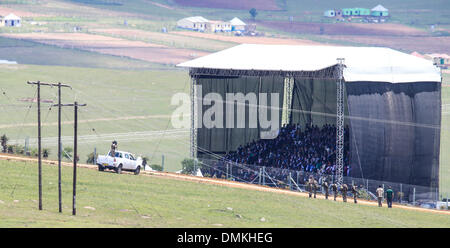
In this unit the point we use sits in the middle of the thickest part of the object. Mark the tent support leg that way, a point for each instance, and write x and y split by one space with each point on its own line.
340 123
193 131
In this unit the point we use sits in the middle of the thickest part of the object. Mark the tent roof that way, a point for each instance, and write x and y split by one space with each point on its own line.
237 22
379 7
12 17
196 19
376 64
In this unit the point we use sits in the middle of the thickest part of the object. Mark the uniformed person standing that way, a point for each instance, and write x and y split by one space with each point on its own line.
316 186
355 193
334 187
310 185
344 189
325 187
112 152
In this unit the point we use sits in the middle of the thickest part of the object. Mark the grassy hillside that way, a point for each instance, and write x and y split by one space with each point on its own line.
119 103
113 200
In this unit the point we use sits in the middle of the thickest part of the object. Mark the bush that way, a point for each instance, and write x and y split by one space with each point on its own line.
45 152
188 166
10 148
156 167
67 152
4 142
34 152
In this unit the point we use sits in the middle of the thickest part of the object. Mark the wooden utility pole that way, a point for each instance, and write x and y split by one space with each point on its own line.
59 145
75 155
39 83
39 144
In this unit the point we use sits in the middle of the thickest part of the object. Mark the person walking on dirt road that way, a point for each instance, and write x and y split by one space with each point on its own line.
355 193
389 196
380 194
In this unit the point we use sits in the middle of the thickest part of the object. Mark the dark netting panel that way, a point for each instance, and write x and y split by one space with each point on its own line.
223 140
395 131
314 102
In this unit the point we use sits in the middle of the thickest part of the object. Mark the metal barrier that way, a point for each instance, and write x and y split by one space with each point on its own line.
297 180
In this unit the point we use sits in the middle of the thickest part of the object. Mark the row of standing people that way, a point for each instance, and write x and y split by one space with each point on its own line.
313 186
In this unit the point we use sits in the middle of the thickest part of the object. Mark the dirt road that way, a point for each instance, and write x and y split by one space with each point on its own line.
222 182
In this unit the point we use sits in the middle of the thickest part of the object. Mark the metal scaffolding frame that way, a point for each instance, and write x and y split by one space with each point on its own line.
340 122
193 131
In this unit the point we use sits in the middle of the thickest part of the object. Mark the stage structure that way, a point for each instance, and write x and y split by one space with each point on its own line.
389 101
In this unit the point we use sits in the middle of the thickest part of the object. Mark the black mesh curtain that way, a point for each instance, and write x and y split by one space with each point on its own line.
395 131
223 140
394 128
314 102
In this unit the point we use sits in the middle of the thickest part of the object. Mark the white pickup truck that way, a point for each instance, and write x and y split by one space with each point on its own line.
120 161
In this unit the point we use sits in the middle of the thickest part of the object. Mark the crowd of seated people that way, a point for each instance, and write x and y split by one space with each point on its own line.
311 149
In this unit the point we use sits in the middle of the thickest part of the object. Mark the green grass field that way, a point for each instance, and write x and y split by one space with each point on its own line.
109 94
126 200
116 87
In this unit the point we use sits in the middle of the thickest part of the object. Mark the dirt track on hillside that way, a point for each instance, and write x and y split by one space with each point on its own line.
112 46
227 4
222 182
248 39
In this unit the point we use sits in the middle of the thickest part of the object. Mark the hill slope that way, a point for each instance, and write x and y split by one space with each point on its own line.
111 200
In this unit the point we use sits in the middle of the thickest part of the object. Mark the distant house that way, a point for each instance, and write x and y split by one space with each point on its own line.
347 11
237 24
329 13
379 11
196 23
218 26
2 23
440 59
12 20
361 12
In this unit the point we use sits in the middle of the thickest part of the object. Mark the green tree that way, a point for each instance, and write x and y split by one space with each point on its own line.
253 13
4 142
67 152
187 166
156 167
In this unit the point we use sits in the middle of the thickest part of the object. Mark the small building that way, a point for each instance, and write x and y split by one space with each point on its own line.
218 26
329 13
237 24
196 23
379 11
440 59
2 23
348 11
12 20
361 12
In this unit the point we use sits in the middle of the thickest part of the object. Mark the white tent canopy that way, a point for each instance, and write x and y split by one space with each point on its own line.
373 64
